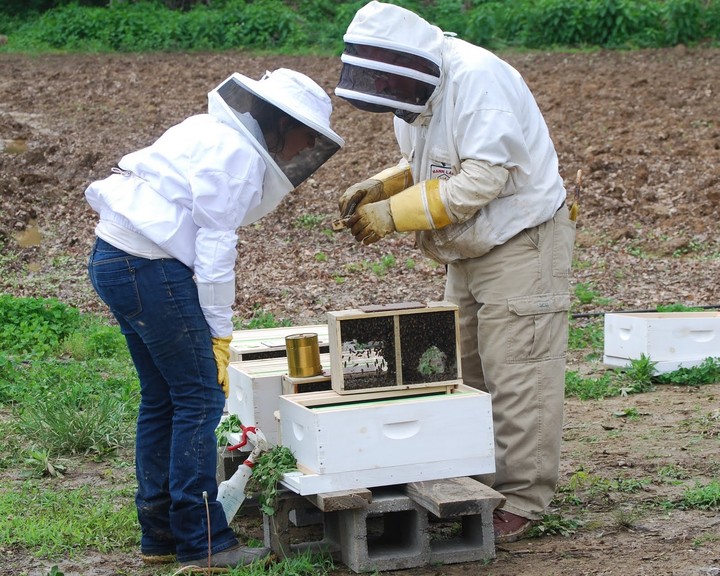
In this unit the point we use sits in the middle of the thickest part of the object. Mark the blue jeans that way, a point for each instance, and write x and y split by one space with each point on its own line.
156 304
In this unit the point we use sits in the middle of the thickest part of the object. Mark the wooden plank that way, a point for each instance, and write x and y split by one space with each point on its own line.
324 398
390 307
342 500
307 484
453 497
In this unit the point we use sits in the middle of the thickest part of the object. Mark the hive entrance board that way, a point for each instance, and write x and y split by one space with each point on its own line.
394 348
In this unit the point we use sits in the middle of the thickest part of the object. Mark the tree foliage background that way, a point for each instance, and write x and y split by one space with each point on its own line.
317 26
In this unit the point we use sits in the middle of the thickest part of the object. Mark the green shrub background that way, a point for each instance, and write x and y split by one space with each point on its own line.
317 26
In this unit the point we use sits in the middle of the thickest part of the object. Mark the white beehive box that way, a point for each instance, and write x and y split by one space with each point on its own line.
411 345
671 339
264 343
255 386
345 443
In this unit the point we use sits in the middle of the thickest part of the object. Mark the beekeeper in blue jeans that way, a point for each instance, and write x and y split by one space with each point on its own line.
478 183
164 261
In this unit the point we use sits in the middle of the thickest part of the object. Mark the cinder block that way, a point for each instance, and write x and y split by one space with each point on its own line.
390 534
463 509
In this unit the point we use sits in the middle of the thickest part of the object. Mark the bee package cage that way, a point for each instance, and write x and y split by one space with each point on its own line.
394 347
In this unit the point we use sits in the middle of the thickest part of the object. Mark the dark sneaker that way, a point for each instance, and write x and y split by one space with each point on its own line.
230 558
509 527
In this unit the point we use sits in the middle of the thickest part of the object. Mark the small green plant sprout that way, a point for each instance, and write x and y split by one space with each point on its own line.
708 372
267 473
629 413
321 257
40 464
433 361
638 377
55 571
554 524
386 262
262 319
701 497
410 264
309 220
625 517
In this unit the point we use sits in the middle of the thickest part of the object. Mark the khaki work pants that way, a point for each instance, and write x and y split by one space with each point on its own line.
514 304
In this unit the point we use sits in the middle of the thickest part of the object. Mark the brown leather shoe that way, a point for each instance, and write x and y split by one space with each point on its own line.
509 527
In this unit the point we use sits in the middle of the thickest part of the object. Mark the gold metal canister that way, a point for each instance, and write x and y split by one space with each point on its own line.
303 354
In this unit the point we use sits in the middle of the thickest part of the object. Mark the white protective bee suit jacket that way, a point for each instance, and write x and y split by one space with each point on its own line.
185 195
481 114
504 231
186 203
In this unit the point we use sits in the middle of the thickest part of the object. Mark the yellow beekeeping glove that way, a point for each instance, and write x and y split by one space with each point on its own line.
221 351
372 222
419 208
380 187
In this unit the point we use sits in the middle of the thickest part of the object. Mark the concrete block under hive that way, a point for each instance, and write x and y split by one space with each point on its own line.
395 347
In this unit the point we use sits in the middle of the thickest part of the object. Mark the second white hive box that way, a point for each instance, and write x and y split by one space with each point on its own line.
671 339
255 386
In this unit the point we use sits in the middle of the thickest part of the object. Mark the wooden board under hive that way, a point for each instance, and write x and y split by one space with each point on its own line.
385 348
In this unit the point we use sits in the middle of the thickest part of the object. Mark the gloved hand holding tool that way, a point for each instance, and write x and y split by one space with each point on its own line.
418 207
221 351
380 187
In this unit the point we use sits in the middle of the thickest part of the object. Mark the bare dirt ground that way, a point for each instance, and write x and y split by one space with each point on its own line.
642 126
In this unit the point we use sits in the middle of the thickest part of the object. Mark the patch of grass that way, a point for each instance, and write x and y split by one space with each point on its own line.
586 294
587 333
309 220
706 373
58 521
261 319
77 422
554 524
587 388
95 339
35 326
702 497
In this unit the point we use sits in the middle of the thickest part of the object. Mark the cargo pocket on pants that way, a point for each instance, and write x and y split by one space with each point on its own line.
537 327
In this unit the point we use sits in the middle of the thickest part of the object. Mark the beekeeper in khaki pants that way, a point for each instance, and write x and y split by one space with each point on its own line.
479 184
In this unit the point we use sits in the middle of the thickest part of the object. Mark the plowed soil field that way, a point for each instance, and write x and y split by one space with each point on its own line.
642 126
